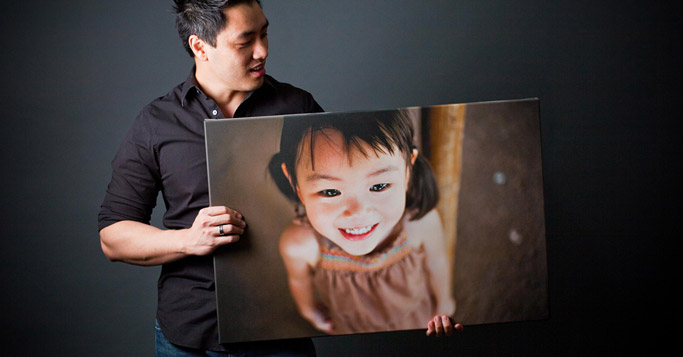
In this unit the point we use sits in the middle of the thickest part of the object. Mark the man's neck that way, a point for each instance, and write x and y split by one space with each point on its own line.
230 104
228 99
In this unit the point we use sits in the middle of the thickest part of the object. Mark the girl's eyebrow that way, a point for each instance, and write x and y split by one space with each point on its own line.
382 170
317 177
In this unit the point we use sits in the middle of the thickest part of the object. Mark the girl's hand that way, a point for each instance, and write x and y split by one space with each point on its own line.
320 319
442 325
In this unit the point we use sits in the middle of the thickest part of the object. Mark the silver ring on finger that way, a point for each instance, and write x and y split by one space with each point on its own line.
220 230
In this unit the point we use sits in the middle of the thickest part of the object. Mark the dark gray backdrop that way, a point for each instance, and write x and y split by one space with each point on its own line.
75 74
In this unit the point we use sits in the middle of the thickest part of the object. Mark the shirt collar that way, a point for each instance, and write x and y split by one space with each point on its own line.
191 87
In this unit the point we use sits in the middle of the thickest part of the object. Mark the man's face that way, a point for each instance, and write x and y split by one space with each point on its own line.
239 58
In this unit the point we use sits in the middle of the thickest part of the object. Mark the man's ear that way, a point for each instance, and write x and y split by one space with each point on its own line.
289 178
197 45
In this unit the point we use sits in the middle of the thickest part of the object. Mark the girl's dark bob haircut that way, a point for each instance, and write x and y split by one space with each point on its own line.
384 131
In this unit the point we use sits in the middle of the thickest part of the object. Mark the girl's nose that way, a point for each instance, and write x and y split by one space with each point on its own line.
353 206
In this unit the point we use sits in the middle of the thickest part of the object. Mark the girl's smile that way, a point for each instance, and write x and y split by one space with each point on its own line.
360 233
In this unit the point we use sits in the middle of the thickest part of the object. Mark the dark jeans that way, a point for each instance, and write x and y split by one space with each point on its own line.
284 348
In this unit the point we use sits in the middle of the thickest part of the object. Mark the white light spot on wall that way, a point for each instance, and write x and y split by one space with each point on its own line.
515 237
499 178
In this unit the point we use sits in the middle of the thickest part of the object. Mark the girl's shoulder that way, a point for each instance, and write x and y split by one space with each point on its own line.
427 228
298 241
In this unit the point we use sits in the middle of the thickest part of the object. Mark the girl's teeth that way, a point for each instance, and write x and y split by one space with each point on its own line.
361 230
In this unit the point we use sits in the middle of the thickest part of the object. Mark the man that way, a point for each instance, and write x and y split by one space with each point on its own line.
164 151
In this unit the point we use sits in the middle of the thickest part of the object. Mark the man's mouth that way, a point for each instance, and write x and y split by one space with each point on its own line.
358 233
259 70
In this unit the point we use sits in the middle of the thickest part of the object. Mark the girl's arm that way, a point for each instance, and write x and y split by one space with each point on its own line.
300 252
438 266
433 240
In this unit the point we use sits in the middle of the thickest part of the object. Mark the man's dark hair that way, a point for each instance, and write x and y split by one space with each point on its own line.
204 18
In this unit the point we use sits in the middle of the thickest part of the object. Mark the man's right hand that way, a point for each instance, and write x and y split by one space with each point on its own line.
205 234
142 244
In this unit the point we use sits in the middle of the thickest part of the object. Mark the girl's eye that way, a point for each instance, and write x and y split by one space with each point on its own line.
329 193
379 187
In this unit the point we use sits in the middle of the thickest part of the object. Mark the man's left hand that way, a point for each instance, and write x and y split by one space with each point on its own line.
442 325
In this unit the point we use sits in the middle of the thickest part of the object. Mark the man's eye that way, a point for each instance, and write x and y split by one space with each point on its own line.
379 187
329 193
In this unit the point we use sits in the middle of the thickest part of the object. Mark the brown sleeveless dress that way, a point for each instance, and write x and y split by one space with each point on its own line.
381 291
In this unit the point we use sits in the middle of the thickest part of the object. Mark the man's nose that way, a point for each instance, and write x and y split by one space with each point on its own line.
261 48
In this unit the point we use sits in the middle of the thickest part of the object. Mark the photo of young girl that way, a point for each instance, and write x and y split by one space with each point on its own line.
397 215
366 252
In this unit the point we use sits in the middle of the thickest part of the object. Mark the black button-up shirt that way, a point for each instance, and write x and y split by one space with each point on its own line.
165 151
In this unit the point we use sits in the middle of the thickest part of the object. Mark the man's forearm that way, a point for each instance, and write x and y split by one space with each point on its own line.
141 244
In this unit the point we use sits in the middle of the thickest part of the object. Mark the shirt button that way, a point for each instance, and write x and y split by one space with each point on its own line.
215 112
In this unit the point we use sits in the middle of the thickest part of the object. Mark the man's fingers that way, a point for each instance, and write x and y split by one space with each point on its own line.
220 210
442 325
227 239
226 219
447 325
430 328
438 326
225 230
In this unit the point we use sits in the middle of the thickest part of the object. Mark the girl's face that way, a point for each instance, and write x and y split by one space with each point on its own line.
352 200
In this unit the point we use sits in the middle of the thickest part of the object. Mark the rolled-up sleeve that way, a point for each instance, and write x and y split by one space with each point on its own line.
135 181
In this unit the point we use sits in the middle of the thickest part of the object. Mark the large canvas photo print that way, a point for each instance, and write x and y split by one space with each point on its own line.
375 221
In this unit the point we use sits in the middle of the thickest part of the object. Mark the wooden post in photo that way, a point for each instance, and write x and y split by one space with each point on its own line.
446 132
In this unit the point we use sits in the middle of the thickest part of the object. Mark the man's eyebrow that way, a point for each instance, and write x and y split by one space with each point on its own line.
250 33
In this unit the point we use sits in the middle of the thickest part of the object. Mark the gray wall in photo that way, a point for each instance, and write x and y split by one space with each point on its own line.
75 74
